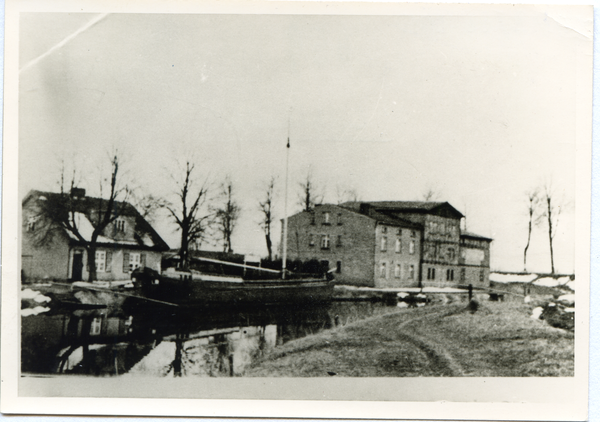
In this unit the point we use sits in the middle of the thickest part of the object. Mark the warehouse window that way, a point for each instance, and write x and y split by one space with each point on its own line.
383 270
326 218
398 245
338 267
398 271
430 273
411 272
325 241
339 222
384 243
411 247
451 254
339 240
96 327
311 240
450 275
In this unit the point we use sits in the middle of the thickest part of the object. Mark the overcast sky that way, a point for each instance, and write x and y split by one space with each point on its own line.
481 109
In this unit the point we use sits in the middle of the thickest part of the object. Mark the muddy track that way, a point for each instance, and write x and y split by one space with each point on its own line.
441 361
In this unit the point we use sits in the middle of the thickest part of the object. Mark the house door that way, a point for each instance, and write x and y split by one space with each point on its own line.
77 266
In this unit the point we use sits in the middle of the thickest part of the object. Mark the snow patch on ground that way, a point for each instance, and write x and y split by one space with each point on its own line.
34 311
570 299
552 282
512 278
537 312
34 295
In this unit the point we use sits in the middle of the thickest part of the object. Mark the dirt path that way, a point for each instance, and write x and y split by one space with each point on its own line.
447 341
394 349
441 361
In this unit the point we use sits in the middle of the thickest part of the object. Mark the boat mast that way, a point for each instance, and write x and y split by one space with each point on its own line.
285 218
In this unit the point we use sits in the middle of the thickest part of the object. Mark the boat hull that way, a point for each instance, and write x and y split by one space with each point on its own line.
189 290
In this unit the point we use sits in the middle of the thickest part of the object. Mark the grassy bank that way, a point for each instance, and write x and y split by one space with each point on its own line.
498 340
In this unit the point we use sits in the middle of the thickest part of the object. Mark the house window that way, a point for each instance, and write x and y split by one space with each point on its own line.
339 240
339 222
430 273
134 261
383 270
120 225
450 275
326 218
398 246
462 274
325 241
399 232
411 272
481 276
398 271
311 240
338 267
384 229
100 261
413 233
312 218
383 243
411 247
31 224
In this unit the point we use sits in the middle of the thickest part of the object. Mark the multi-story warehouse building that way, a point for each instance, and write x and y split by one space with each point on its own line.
391 244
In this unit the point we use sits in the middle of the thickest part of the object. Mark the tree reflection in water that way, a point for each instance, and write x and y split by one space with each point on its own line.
138 339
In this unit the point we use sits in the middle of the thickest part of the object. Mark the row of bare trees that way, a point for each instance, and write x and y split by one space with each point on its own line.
196 215
544 210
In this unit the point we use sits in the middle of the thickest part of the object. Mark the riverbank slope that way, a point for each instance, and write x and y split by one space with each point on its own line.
499 339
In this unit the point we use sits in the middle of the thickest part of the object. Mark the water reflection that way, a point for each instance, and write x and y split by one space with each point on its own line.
137 339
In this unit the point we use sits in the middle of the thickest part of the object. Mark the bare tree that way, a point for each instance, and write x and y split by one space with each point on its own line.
309 196
430 195
148 206
227 214
266 208
553 208
73 212
346 194
532 209
187 214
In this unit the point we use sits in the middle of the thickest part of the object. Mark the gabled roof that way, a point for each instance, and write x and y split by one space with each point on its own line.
406 206
144 235
380 217
474 236
393 221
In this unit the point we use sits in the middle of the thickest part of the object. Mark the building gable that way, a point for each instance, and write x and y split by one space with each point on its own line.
129 230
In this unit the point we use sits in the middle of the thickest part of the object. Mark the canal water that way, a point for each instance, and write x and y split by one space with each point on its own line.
156 340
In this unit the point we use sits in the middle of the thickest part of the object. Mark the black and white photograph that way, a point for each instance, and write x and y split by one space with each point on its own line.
347 202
